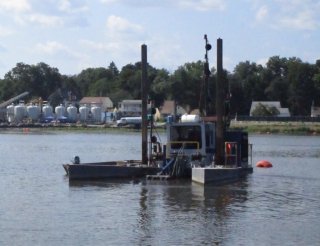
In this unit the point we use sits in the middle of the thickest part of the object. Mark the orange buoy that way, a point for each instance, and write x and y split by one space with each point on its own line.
264 163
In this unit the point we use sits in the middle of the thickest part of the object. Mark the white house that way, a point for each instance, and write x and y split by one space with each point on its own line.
315 111
130 107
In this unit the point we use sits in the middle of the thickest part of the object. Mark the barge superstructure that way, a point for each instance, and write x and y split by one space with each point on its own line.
199 147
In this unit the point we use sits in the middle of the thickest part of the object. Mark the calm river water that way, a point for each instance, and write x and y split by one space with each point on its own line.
38 205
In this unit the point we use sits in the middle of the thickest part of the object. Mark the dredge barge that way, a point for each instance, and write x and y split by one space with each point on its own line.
200 148
188 153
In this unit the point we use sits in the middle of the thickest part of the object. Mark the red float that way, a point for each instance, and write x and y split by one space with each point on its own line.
264 164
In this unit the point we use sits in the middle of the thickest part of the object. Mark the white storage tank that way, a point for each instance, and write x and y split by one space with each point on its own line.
10 113
60 111
96 114
33 112
72 113
190 118
47 111
20 112
84 113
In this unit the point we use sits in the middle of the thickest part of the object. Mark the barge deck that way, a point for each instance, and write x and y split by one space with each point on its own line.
112 169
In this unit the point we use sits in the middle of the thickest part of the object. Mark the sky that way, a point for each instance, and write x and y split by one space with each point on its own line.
73 35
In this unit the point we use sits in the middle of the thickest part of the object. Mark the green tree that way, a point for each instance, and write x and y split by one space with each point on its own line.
185 84
160 87
40 80
247 85
7 89
275 76
89 77
316 80
302 89
113 69
70 88
129 80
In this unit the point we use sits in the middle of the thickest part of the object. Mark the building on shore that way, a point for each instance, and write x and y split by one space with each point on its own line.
104 103
130 108
171 108
315 111
283 112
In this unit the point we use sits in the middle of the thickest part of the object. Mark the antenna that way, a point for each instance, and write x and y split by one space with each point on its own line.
204 85
206 64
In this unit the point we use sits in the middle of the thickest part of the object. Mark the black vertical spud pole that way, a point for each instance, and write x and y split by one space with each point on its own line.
144 94
220 94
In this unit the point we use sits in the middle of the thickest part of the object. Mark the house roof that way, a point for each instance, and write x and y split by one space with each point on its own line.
276 104
266 103
284 112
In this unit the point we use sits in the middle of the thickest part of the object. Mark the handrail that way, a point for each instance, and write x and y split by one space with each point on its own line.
231 153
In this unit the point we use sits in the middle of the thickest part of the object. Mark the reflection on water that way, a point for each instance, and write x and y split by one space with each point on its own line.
39 206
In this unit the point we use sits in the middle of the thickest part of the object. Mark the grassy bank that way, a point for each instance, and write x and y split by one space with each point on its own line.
259 127
265 127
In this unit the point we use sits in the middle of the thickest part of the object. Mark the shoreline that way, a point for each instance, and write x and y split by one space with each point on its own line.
256 127
277 127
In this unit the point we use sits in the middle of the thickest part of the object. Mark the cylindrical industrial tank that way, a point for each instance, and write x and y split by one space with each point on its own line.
84 113
10 113
20 112
33 112
72 113
60 111
47 111
190 118
96 114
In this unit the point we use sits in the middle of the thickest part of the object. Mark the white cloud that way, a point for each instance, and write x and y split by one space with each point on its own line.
109 1
262 13
119 51
199 5
161 52
45 20
4 31
2 48
50 47
59 50
262 61
15 5
202 5
119 24
98 46
60 55
293 14
123 38
304 20
66 6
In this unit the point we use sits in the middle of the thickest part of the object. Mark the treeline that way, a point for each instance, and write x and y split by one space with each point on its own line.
294 83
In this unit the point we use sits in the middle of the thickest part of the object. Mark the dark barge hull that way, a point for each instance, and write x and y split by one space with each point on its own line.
108 170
